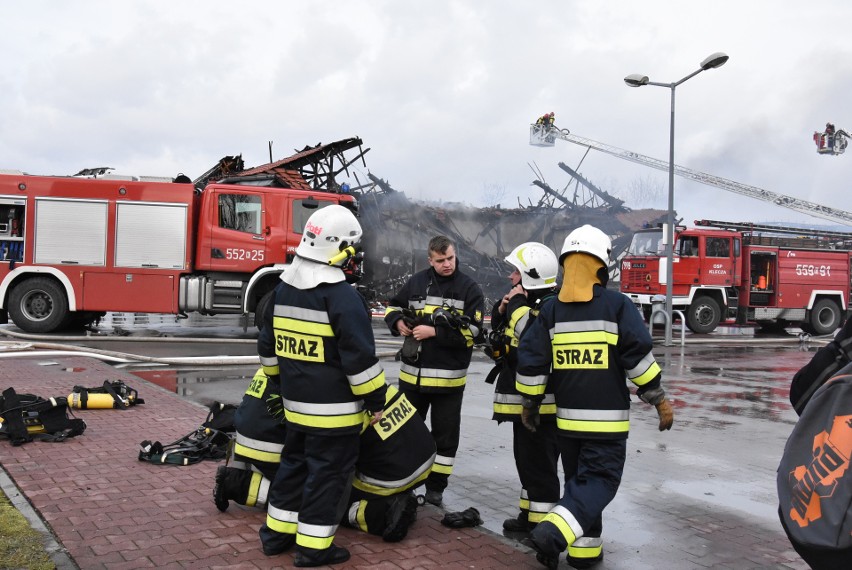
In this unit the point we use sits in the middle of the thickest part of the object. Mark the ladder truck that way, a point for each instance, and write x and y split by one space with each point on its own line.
769 275
543 135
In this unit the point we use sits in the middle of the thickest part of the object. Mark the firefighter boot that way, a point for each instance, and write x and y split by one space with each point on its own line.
585 552
231 485
401 514
310 557
521 523
273 542
434 497
548 560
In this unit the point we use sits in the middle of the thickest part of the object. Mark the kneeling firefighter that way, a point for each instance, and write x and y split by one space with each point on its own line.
395 457
536 453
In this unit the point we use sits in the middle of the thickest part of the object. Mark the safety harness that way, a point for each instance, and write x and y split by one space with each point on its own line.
211 440
25 417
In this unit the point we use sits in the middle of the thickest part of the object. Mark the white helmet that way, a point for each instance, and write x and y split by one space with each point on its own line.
328 232
536 263
587 239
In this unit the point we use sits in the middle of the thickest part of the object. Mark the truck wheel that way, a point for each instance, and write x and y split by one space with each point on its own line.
261 308
824 317
38 305
703 315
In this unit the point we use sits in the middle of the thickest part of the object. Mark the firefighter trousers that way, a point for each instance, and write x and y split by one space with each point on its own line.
593 469
536 458
308 495
445 426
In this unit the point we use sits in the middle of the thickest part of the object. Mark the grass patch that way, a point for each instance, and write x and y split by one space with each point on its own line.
21 546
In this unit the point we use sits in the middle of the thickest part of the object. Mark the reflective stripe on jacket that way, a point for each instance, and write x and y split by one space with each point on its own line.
586 350
442 362
322 340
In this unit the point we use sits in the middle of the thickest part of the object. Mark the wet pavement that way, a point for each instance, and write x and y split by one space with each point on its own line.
699 496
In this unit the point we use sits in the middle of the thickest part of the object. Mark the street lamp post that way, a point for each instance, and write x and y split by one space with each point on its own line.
713 61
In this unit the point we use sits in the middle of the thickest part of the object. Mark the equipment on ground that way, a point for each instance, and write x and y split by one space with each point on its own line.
113 394
211 440
24 417
772 275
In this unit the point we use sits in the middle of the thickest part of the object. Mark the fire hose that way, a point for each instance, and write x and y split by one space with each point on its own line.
45 347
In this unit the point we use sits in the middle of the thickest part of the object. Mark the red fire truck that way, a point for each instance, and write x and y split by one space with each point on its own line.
769 275
74 248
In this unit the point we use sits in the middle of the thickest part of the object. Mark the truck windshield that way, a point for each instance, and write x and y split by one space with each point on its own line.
646 243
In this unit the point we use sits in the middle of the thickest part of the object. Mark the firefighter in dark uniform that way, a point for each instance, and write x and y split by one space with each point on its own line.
396 455
536 453
318 336
444 308
256 451
585 343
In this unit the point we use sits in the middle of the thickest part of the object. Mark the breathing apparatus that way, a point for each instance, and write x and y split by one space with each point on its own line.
111 395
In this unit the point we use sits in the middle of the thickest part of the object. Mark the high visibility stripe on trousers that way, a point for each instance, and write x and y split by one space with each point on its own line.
586 547
258 491
565 522
536 510
314 536
443 465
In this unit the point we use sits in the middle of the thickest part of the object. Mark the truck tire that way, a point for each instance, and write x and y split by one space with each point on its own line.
38 305
703 315
824 317
261 308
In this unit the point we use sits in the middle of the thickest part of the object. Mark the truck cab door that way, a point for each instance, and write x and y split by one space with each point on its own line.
233 231
719 262
686 263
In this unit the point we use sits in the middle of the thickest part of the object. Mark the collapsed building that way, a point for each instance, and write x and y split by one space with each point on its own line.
397 230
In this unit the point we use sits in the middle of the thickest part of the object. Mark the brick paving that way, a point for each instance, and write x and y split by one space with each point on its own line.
693 498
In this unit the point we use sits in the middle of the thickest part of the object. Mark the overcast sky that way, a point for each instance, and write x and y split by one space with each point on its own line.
442 92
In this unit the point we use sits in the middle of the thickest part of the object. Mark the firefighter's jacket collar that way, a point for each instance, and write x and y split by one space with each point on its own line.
306 274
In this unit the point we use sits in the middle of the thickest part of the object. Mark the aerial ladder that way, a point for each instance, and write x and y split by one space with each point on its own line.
545 136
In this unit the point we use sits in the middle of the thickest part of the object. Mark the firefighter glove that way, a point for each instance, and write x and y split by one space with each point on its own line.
530 414
275 406
666 414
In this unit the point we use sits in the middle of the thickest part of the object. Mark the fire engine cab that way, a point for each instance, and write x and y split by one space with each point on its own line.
769 275
74 248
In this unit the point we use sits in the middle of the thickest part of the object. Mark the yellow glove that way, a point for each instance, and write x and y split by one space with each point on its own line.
530 418
666 414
